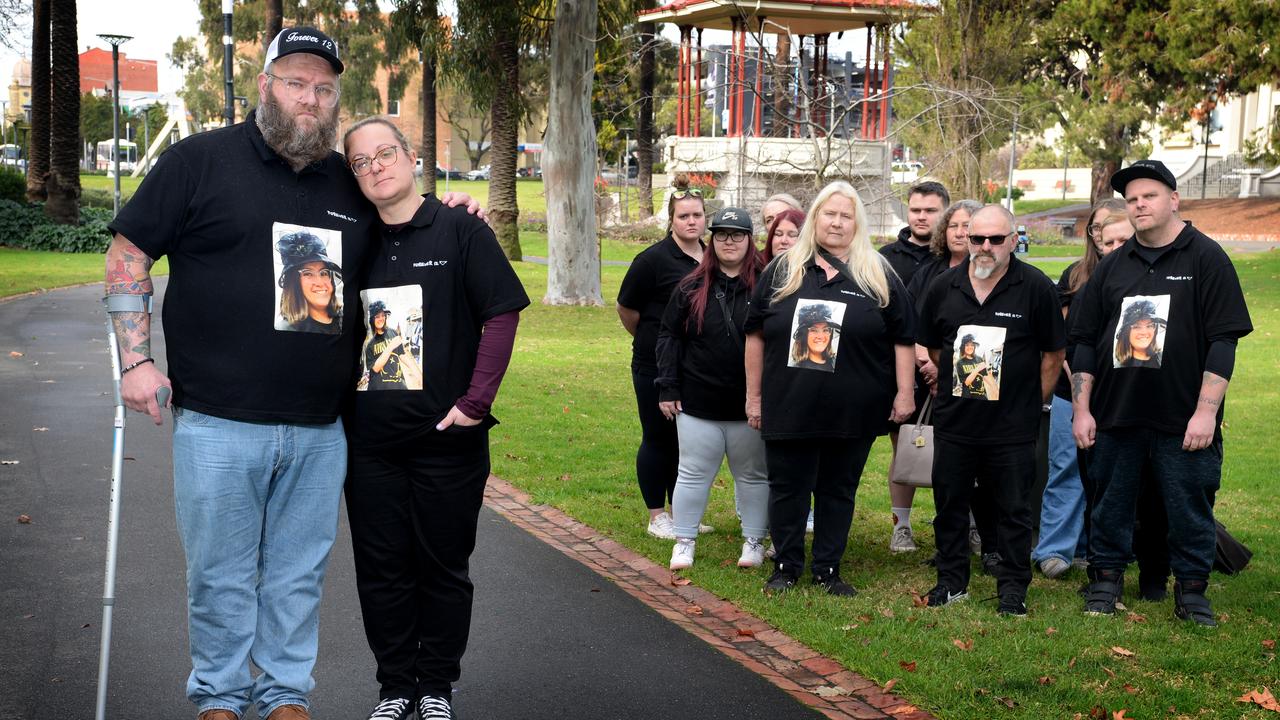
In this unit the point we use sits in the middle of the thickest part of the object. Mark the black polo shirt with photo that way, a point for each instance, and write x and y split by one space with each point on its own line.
647 287
1196 287
904 256
1018 321
800 399
441 276
215 204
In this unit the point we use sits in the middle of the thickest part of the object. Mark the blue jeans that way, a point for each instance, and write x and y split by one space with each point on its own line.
257 507
1062 509
1188 481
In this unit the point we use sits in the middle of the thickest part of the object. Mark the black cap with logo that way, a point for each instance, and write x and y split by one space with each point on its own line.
731 218
1150 169
303 39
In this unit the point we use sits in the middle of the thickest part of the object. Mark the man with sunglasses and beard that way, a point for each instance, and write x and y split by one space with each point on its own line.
994 298
259 453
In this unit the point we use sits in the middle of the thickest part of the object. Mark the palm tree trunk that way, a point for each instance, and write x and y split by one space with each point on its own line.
275 22
644 122
63 184
38 141
430 14
504 213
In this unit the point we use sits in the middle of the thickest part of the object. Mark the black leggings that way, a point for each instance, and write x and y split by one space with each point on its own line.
659 453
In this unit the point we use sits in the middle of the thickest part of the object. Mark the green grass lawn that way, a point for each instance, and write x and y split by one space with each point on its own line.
128 185
569 434
568 437
1022 207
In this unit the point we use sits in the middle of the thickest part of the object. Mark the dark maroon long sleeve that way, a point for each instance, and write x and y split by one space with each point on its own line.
492 358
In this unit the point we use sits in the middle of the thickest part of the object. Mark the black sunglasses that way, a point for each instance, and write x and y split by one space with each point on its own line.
993 239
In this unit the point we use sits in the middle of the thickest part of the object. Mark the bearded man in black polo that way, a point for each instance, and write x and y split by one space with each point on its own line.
1154 342
1006 306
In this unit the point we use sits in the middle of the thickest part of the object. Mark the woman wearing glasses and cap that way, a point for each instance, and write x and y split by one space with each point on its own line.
310 286
829 363
419 455
642 299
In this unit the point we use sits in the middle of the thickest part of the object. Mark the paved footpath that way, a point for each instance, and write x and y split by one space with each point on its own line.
567 624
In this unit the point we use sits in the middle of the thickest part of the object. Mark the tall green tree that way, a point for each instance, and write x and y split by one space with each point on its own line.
62 187
38 143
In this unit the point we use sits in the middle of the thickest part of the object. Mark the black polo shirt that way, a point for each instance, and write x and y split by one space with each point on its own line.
904 256
1196 287
853 395
216 203
647 287
997 401
440 276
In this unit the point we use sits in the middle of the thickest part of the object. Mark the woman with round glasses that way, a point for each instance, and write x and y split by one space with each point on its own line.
642 299
310 286
419 456
701 386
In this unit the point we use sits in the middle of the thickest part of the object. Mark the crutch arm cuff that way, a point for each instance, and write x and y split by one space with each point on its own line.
127 303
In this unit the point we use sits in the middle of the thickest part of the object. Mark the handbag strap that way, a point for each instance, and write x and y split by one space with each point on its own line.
926 413
728 320
838 264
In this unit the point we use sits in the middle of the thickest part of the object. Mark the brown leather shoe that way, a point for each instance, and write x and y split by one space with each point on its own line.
218 714
289 712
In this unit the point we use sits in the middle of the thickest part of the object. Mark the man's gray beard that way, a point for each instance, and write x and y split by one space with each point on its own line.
982 272
299 147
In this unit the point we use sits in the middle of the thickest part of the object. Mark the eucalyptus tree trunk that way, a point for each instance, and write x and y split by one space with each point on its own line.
644 121
573 254
275 22
62 187
38 139
427 150
504 213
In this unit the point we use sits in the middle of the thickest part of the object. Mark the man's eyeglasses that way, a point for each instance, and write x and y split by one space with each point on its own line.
993 239
326 95
726 238
386 156
309 274
682 194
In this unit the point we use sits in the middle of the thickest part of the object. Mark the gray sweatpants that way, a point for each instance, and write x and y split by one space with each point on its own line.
703 444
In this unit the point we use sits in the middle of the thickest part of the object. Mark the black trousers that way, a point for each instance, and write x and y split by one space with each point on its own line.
828 470
413 512
1150 547
659 455
1007 472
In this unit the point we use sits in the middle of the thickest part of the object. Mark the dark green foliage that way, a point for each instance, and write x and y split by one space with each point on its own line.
13 186
27 227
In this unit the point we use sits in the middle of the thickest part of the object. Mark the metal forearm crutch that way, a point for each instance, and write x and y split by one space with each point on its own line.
116 303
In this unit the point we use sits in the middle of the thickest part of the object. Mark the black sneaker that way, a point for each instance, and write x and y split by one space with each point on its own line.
779 582
1189 603
831 582
990 563
400 708
941 595
1012 605
434 707
1153 590
1103 592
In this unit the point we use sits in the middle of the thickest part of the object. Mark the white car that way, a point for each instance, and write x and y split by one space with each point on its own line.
481 173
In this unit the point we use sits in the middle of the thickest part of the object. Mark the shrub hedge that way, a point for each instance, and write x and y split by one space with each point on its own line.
25 226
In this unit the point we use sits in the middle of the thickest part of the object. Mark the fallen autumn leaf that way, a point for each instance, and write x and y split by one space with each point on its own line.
908 666
830 691
965 645
746 632
1122 652
889 685
24 519
1262 698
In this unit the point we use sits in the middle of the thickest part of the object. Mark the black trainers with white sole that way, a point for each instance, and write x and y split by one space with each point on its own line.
400 708
1103 592
434 707
780 581
1189 603
942 595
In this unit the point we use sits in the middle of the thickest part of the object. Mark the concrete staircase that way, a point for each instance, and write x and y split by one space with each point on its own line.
1219 180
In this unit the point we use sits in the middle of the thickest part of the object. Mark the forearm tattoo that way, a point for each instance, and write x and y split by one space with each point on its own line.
1081 384
128 273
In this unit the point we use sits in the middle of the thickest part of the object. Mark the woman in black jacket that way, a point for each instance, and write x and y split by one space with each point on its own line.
702 385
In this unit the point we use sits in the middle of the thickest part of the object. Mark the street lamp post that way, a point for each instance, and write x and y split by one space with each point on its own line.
229 111
115 41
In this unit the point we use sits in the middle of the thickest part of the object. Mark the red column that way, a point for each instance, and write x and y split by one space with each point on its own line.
884 86
697 92
866 84
758 114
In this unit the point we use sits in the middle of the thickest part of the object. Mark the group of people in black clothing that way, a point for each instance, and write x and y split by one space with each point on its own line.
791 360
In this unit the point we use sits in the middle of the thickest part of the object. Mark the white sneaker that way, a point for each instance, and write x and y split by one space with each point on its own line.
808 524
752 553
1054 567
662 527
704 529
903 540
682 554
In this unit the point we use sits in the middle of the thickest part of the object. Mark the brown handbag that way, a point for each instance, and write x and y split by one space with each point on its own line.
913 460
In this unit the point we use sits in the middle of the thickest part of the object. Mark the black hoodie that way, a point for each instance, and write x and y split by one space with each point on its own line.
704 370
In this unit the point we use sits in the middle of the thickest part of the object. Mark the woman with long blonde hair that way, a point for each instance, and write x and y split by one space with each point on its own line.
820 413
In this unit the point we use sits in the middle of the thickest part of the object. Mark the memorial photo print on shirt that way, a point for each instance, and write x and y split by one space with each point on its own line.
1140 331
308 275
977 356
815 335
391 357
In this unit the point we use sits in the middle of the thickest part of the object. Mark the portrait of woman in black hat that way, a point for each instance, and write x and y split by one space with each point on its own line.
310 285
977 367
815 338
1140 332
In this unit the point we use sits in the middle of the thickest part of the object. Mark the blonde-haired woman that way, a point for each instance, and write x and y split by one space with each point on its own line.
818 420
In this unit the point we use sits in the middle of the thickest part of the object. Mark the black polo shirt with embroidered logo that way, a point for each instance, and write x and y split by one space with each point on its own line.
989 361
850 393
906 257
223 206
647 287
438 277
1177 303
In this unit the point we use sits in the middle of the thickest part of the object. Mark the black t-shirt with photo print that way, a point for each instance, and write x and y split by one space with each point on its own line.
1205 305
211 204
454 265
1024 316
806 399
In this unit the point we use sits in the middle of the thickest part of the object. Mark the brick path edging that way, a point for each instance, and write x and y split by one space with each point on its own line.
746 639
